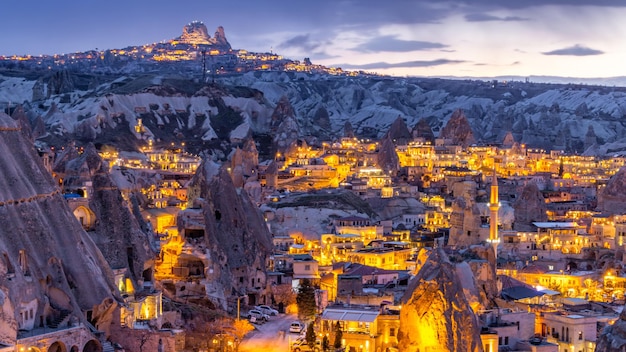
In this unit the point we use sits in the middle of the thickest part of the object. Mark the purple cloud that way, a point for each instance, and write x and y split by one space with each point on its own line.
483 17
576 50
383 65
391 43
302 41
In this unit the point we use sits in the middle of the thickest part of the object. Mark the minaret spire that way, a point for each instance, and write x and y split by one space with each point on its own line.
494 206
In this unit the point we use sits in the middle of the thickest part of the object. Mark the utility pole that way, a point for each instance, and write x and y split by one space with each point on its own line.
212 69
203 65
238 306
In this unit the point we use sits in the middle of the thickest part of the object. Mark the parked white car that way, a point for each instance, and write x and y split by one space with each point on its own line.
296 327
267 310
300 345
258 315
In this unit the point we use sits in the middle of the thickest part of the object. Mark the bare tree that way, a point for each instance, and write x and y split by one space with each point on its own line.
143 339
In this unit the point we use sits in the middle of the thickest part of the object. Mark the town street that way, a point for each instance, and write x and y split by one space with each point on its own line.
268 336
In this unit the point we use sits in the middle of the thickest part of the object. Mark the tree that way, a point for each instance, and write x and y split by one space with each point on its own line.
310 335
239 330
202 331
338 336
306 301
325 343
283 295
143 339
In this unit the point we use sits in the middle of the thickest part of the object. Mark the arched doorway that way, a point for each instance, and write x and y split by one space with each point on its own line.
572 266
58 346
85 216
92 346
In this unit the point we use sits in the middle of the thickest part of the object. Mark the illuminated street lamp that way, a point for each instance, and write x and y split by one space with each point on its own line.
238 306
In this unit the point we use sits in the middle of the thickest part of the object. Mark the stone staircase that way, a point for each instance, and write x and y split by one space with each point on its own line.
62 318
107 346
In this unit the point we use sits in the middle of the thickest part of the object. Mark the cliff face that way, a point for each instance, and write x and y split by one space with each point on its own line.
530 207
613 337
613 197
48 263
122 242
435 314
235 235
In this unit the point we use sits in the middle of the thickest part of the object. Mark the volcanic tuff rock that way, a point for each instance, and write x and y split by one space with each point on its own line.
393 208
20 116
60 82
196 33
613 196
458 130
49 263
613 337
435 312
508 141
529 207
244 170
109 113
399 132
464 220
235 235
284 125
244 163
387 157
321 119
422 130
348 131
220 39
122 242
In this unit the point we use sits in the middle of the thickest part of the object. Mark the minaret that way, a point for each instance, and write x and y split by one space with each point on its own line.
494 205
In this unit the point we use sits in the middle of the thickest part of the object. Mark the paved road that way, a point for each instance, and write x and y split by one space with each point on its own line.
268 336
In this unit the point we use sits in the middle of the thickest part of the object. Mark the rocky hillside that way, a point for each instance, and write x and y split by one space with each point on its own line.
123 242
372 104
49 265
283 103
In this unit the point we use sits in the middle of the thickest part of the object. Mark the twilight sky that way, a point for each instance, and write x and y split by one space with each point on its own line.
479 38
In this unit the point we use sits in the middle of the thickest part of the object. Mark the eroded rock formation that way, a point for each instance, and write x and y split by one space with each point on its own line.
122 242
236 238
529 207
196 33
422 130
284 125
613 197
50 265
436 316
613 337
399 132
458 130
387 157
